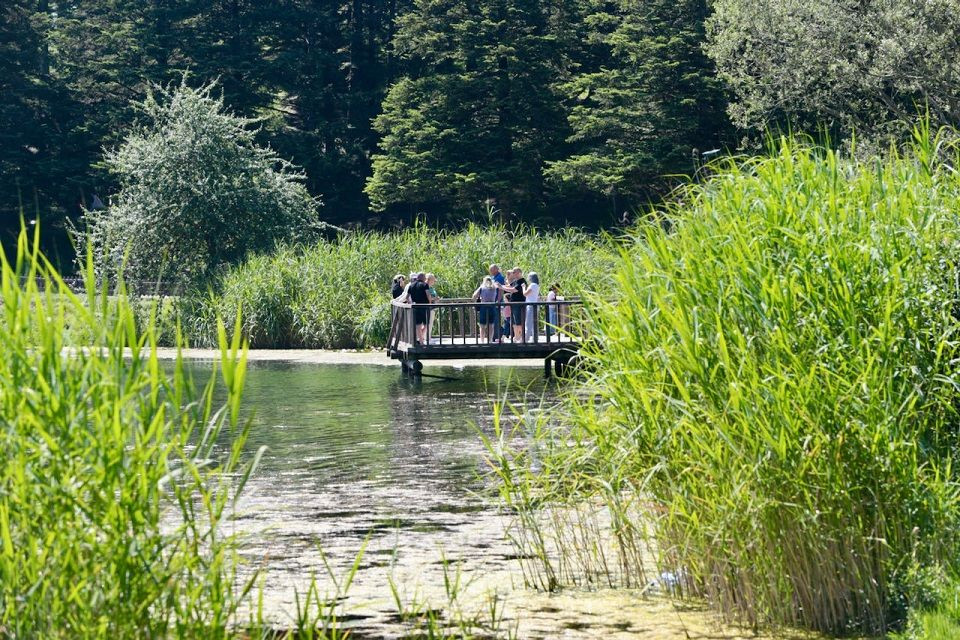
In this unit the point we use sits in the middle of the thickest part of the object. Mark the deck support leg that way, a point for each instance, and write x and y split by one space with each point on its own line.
559 366
546 368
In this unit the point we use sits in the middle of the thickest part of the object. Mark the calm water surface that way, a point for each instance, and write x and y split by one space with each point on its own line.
360 455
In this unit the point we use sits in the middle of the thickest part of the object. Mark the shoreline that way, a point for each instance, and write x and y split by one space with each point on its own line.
338 356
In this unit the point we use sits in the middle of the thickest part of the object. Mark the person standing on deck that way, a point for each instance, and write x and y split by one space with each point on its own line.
501 329
514 292
399 284
553 309
531 292
418 293
434 299
486 293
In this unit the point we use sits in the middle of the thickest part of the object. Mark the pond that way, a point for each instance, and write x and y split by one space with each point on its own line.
361 455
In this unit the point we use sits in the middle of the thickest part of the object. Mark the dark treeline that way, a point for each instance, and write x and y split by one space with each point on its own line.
554 112
546 111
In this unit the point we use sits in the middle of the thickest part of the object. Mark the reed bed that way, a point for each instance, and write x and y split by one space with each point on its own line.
776 384
335 294
113 489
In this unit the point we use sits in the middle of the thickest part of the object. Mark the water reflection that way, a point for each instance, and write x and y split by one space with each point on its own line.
333 424
359 454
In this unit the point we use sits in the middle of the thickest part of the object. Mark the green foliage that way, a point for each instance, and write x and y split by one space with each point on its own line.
863 66
471 100
774 393
197 193
337 294
475 117
316 73
938 621
644 101
112 494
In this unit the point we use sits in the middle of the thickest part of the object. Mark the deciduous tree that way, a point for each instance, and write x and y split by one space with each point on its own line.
196 193
864 65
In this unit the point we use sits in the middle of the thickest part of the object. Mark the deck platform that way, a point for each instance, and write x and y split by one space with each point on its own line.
553 334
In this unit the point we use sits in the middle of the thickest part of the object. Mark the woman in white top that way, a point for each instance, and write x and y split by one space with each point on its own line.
531 293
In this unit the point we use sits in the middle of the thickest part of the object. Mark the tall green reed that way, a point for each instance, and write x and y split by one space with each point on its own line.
776 385
113 489
336 293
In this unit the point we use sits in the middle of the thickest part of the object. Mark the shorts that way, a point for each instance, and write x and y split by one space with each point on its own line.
420 315
516 313
486 315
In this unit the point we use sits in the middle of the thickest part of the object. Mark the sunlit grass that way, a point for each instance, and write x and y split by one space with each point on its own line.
112 490
771 408
336 294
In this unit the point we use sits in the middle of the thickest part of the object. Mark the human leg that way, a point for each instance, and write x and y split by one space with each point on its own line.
516 316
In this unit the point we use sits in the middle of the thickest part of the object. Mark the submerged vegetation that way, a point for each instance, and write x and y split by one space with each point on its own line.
771 408
336 293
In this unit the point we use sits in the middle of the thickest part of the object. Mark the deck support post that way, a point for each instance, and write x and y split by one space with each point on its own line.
546 368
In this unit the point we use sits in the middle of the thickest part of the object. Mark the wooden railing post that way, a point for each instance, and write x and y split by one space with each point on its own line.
411 325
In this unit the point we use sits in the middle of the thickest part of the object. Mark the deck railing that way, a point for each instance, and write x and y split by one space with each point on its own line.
455 322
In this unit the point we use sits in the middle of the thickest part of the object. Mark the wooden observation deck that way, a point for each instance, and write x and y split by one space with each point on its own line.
453 332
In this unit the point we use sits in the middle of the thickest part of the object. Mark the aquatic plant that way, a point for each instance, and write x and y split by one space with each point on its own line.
336 293
113 488
773 394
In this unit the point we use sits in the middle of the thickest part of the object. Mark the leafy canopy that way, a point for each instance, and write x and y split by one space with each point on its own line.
196 193
644 100
866 66
476 113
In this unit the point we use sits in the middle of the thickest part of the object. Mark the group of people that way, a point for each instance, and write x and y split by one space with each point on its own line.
505 311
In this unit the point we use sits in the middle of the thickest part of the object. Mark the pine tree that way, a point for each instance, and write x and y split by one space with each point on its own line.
645 99
39 121
475 116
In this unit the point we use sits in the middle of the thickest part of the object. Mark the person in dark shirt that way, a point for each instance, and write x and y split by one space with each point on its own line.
419 293
515 294
399 282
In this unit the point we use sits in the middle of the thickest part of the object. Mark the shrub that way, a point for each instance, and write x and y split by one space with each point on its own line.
112 492
337 294
196 193
778 384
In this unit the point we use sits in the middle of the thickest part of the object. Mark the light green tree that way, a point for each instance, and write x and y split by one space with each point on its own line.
848 65
196 192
